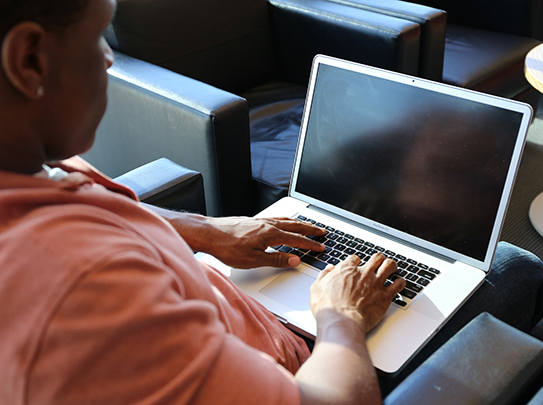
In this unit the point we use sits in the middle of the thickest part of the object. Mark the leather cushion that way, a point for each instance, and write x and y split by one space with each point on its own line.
275 114
274 135
486 61
224 43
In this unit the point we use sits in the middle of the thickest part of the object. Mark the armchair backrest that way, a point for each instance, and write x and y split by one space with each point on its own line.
225 43
518 17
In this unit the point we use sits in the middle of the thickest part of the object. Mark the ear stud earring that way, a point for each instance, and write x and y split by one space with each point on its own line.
39 91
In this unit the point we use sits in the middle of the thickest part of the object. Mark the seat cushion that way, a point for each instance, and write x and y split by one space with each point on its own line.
274 136
486 61
275 114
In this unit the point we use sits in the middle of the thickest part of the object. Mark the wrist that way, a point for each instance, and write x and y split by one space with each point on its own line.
193 228
345 326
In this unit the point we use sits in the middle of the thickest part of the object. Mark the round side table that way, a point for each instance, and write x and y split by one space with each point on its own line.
533 70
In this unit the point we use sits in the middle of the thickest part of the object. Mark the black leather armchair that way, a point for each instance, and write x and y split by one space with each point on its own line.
487 362
232 108
481 44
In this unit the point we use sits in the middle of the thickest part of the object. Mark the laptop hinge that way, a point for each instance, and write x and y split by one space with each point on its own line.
383 234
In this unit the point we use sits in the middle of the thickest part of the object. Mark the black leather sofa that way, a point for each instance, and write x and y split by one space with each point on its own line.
476 44
219 86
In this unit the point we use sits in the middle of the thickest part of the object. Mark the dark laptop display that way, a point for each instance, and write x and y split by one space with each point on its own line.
422 162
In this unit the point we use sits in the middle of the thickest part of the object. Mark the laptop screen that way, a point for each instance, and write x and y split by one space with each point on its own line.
424 162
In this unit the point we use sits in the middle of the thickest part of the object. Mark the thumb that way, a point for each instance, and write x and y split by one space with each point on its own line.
278 259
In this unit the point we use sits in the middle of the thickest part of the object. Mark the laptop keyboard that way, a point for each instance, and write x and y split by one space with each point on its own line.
340 245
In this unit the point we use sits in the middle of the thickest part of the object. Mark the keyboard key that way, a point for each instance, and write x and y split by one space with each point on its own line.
285 249
400 257
312 261
379 249
333 261
435 271
350 251
329 229
426 274
340 233
342 240
325 257
320 225
335 253
423 281
340 247
369 244
412 286
401 273
363 257
330 243
423 266
358 240
301 218
296 252
390 253
408 293
349 236
411 261
399 302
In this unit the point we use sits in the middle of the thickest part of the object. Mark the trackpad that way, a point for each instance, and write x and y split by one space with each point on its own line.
291 288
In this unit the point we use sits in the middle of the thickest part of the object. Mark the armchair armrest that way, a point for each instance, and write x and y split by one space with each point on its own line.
433 24
153 112
168 185
518 17
304 28
486 362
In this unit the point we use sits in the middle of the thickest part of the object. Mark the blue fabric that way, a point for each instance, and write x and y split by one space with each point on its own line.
512 292
274 136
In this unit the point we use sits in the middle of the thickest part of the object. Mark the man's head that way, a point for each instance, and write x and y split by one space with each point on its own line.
52 80
50 14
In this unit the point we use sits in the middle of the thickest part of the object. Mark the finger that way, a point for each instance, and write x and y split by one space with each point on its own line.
375 261
281 260
300 227
297 241
326 271
386 268
393 289
349 264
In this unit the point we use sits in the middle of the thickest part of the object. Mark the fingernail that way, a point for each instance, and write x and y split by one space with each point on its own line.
293 261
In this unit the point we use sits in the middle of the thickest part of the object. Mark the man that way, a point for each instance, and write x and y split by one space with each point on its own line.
101 300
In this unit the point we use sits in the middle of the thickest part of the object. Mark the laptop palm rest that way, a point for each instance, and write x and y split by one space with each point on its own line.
291 289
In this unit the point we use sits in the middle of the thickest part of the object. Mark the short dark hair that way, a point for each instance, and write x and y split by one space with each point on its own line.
49 13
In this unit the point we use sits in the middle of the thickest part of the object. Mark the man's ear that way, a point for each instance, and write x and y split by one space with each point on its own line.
24 59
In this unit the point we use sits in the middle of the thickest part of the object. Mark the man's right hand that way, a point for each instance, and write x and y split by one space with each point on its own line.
347 300
357 292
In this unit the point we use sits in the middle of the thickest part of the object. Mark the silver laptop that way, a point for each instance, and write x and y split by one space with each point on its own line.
417 170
